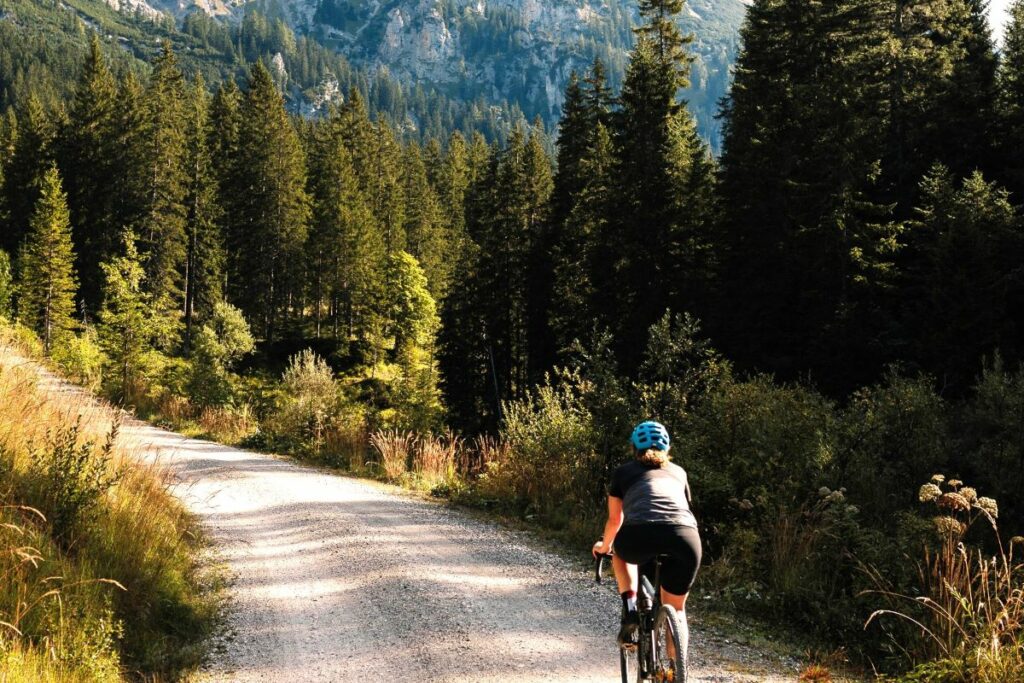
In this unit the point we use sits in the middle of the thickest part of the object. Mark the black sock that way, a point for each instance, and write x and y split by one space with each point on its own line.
628 600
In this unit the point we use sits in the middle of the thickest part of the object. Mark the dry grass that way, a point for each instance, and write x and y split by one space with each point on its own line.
435 456
970 614
134 535
815 673
394 450
346 446
228 425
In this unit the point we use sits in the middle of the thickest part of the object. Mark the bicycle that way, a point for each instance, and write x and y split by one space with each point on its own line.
659 626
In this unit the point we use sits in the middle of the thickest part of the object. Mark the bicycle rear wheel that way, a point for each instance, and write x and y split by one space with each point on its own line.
670 664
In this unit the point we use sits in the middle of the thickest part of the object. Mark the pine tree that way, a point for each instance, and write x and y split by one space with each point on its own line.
132 195
125 329
33 154
163 226
940 89
452 184
345 247
581 206
963 290
89 156
656 227
204 260
426 236
384 188
8 138
583 248
808 237
270 227
47 285
1011 99
413 315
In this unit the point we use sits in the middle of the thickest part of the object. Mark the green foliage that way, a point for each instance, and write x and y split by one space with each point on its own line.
6 287
551 435
890 434
271 211
74 475
126 331
47 286
218 345
80 358
309 399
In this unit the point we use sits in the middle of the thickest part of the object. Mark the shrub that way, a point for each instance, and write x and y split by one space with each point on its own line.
890 436
765 445
550 438
309 399
80 358
72 477
217 346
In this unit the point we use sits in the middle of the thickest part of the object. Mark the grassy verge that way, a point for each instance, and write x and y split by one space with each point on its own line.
99 577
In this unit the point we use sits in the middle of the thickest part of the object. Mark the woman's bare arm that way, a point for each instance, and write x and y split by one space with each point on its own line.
611 527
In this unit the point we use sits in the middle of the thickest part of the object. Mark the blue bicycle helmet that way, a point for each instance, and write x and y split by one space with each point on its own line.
650 435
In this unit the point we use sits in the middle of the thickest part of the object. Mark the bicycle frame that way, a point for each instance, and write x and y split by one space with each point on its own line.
648 604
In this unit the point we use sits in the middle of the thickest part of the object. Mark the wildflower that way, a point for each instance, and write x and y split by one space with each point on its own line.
955 483
948 526
989 506
938 478
746 505
824 492
835 497
954 502
970 494
928 493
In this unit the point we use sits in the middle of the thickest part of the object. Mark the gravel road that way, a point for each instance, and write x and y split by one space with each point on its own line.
337 579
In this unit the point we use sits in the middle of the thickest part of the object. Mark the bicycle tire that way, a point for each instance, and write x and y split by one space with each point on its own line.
629 664
666 630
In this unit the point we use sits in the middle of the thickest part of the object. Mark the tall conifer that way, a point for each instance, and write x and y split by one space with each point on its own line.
163 223
89 156
33 154
47 286
204 259
269 230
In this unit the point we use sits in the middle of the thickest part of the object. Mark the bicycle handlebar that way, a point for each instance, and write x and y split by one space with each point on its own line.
599 566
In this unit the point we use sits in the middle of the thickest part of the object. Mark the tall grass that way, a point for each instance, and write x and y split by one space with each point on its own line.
969 617
98 570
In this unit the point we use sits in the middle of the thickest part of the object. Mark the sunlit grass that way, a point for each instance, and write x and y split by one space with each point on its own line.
119 591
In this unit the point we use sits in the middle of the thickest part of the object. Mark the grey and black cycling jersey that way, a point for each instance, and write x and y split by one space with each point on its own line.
652 495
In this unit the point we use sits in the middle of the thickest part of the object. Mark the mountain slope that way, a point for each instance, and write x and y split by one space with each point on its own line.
519 50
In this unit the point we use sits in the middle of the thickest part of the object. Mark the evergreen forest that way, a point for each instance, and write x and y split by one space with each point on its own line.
829 316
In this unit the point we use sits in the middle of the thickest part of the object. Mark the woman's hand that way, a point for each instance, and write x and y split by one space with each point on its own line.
601 548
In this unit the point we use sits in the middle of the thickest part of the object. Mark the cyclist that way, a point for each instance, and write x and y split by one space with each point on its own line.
649 515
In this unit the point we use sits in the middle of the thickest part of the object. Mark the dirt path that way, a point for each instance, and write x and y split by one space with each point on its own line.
336 579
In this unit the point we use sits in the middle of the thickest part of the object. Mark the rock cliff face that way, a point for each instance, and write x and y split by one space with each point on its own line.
520 50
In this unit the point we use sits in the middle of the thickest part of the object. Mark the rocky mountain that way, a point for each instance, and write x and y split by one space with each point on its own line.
517 50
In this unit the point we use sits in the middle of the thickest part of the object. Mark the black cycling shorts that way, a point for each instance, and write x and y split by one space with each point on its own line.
640 543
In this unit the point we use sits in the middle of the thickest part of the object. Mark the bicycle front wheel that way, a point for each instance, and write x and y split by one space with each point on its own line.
629 665
670 663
